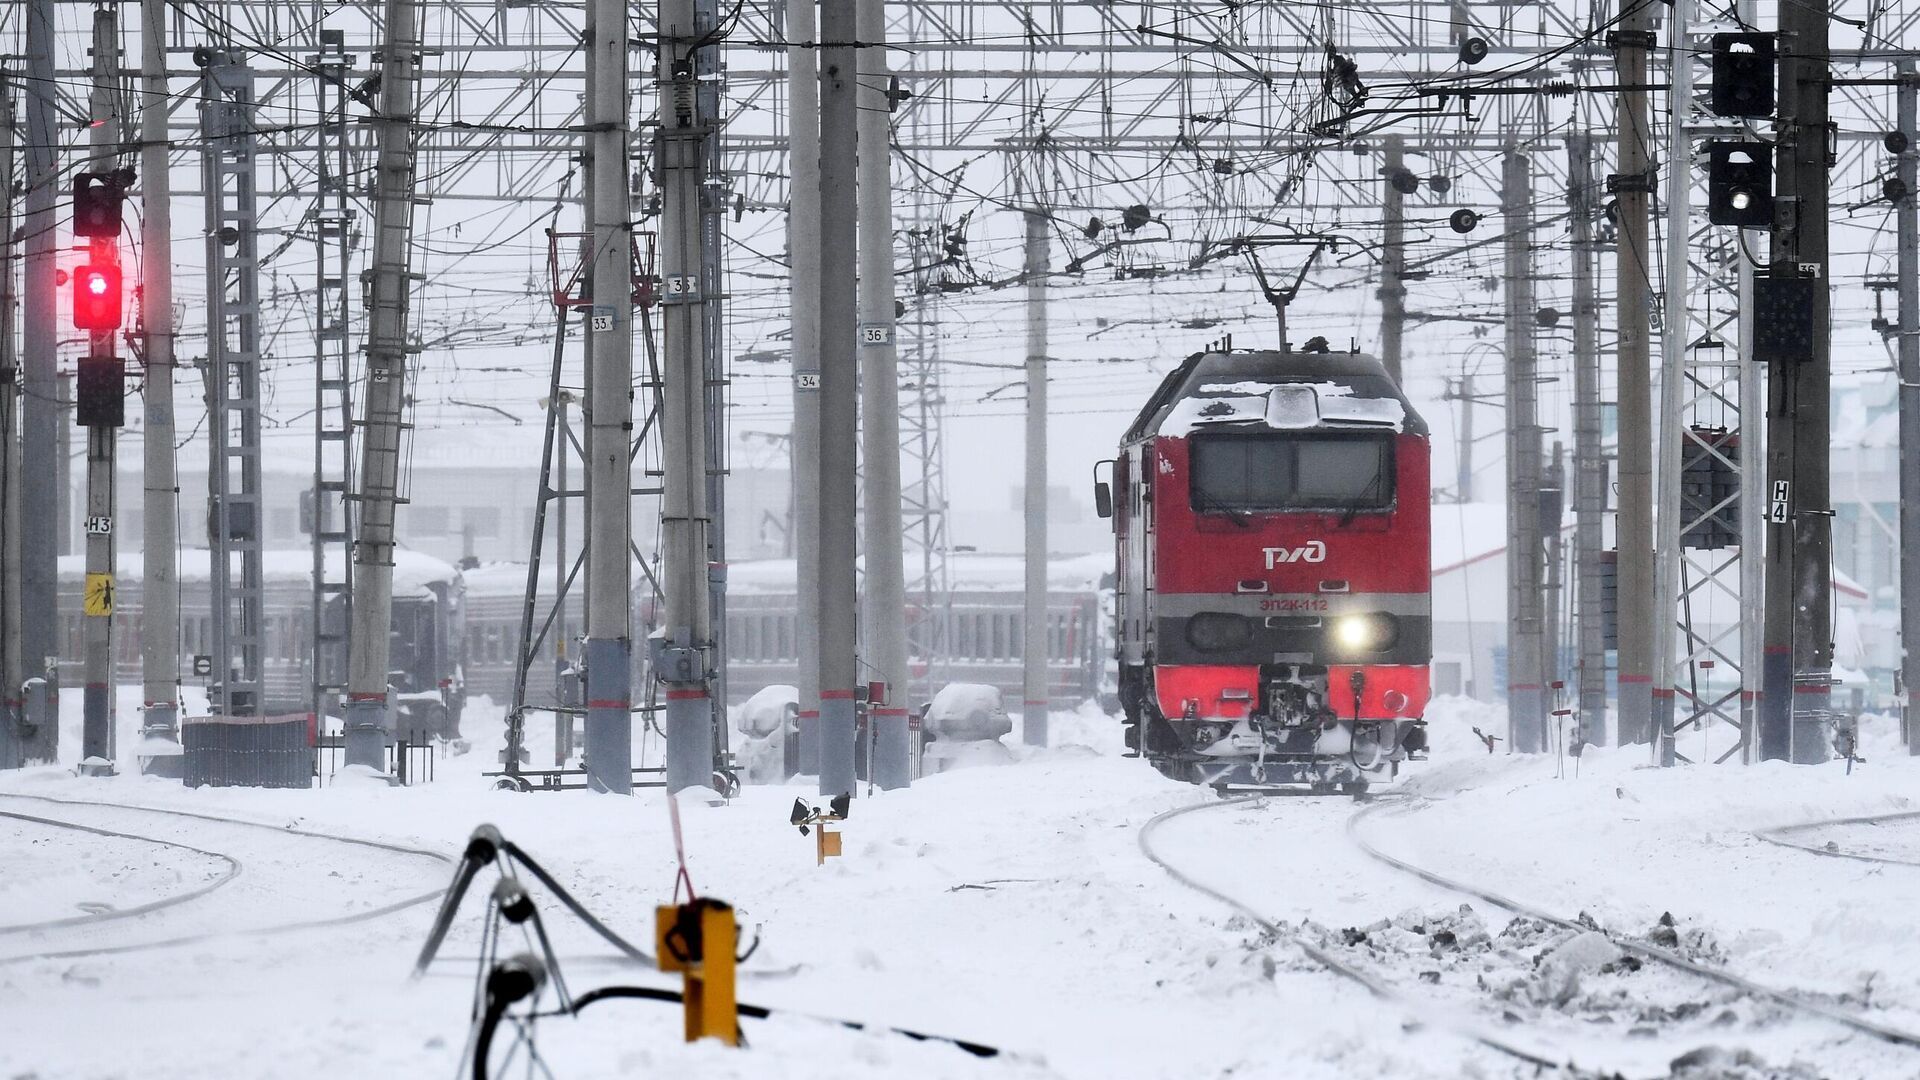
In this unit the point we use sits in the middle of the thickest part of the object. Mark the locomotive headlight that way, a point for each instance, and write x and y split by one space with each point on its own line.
1365 633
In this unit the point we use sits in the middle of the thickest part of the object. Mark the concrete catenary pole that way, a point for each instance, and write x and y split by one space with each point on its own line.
1633 520
97 734
607 734
839 393
1667 548
1909 223
12 669
709 70
42 455
682 159
1393 256
1526 662
1798 662
1037 696
368 653
1589 456
803 252
884 618
159 592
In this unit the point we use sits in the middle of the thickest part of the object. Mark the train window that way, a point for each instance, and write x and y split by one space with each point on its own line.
1291 472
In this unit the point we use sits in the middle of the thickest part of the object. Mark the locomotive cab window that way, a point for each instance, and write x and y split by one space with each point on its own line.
1291 472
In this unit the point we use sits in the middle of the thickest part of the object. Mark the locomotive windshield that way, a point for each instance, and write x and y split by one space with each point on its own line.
1291 472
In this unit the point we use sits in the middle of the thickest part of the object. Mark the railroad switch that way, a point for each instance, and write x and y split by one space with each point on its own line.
826 842
697 939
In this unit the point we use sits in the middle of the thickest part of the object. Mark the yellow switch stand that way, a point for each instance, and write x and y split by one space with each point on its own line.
698 939
825 841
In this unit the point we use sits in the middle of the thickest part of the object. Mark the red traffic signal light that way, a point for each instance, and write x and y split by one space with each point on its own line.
97 297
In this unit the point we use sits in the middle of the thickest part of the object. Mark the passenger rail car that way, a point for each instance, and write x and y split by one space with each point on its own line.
429 632
1270 513
977 631
495 597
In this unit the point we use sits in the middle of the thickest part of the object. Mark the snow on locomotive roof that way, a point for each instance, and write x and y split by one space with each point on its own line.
967 571
1283 406
1282 391
413 572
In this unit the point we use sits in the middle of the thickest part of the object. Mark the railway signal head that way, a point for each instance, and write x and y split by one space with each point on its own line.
1473 50
100 392
98 296
97 198
1463 220
1739 184
1743 74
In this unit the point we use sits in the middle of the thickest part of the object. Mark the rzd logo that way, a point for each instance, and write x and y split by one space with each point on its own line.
1311 551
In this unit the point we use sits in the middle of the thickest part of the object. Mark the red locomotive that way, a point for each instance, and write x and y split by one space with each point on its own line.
1274 574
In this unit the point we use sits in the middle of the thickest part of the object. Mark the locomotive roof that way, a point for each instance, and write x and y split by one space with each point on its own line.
1233 389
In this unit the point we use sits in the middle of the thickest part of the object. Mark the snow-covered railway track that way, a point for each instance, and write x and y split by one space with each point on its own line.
1789 999
180 907
1424 1012
1788 836
230 869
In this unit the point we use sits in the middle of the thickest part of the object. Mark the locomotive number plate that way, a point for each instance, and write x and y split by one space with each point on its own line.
1294 603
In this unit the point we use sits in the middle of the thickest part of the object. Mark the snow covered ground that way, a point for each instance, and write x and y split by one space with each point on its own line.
1007 905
